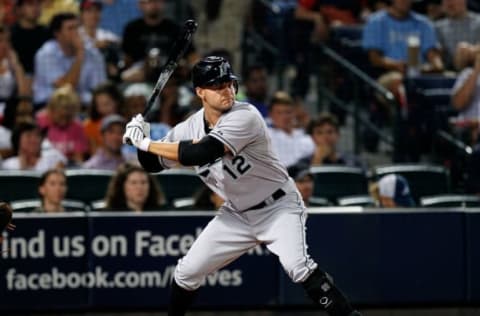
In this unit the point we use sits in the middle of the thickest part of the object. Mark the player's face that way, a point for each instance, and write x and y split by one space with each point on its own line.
218 97
136 188
54 188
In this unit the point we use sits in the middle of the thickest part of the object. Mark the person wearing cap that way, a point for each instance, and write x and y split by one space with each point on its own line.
109 155
392 191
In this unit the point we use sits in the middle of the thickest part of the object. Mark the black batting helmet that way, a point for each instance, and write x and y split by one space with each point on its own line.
212 70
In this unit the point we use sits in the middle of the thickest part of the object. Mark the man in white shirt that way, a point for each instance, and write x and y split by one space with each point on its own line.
290 144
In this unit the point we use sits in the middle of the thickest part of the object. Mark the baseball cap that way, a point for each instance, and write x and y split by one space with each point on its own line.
396 187
87 4
111 119
138 89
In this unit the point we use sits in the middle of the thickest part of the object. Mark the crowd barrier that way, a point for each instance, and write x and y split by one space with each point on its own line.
90 261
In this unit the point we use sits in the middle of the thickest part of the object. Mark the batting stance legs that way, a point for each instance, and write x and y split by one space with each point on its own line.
281 226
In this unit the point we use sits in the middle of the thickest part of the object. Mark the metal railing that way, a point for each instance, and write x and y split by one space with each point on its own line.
359 78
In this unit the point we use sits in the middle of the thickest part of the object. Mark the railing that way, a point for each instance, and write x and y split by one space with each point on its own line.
359 78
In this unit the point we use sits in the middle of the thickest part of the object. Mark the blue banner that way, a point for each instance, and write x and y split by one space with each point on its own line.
120 260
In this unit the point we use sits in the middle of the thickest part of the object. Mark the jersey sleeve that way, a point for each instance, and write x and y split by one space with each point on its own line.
238 129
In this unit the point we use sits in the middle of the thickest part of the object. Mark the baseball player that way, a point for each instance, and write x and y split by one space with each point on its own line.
227 143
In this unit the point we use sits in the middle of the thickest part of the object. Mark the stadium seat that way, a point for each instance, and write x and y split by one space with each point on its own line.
87 185
424 180
333 182
450 200
178 183
318 201
31 204
18 185
98 205
356 200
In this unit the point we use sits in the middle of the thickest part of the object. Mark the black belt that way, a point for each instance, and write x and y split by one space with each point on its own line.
275 196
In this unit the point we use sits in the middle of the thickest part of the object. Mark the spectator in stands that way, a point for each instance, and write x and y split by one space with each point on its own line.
458 33
17 111
106 41
109 155
303 178
52 189
289 143
67 60
392 191
5 219
50 8
27 147
133 189
27 35
256 87
106 100
466 99
135 101
325 132
221 24
62 127
117 13
7 14
151 35
12 76
385 38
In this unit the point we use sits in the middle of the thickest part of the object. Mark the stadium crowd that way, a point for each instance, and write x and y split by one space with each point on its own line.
73 72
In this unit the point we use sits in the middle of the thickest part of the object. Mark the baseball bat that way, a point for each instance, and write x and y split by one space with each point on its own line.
178 50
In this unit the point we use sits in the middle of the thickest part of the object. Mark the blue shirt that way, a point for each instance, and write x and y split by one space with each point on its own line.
51 64
389 35
116 15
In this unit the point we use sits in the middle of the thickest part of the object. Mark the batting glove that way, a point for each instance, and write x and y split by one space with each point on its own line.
146 126
135 135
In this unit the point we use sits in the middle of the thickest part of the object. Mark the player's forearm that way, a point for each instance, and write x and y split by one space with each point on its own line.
164 149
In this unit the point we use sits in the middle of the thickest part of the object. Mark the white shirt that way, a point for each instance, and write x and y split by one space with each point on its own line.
290 148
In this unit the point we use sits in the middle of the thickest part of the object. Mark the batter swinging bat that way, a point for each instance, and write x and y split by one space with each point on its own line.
178 50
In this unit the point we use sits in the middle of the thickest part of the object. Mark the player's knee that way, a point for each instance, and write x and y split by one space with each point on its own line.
187 277
298 270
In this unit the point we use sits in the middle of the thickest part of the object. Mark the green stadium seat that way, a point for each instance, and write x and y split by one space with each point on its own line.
450 200
18 185
87 185
333 182
178 183
423 179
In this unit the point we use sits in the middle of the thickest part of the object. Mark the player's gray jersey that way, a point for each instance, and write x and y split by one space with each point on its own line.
251 172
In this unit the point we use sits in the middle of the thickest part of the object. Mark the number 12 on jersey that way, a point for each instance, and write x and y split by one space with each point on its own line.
238 168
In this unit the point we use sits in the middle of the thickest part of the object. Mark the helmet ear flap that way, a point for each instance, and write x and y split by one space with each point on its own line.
235 85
